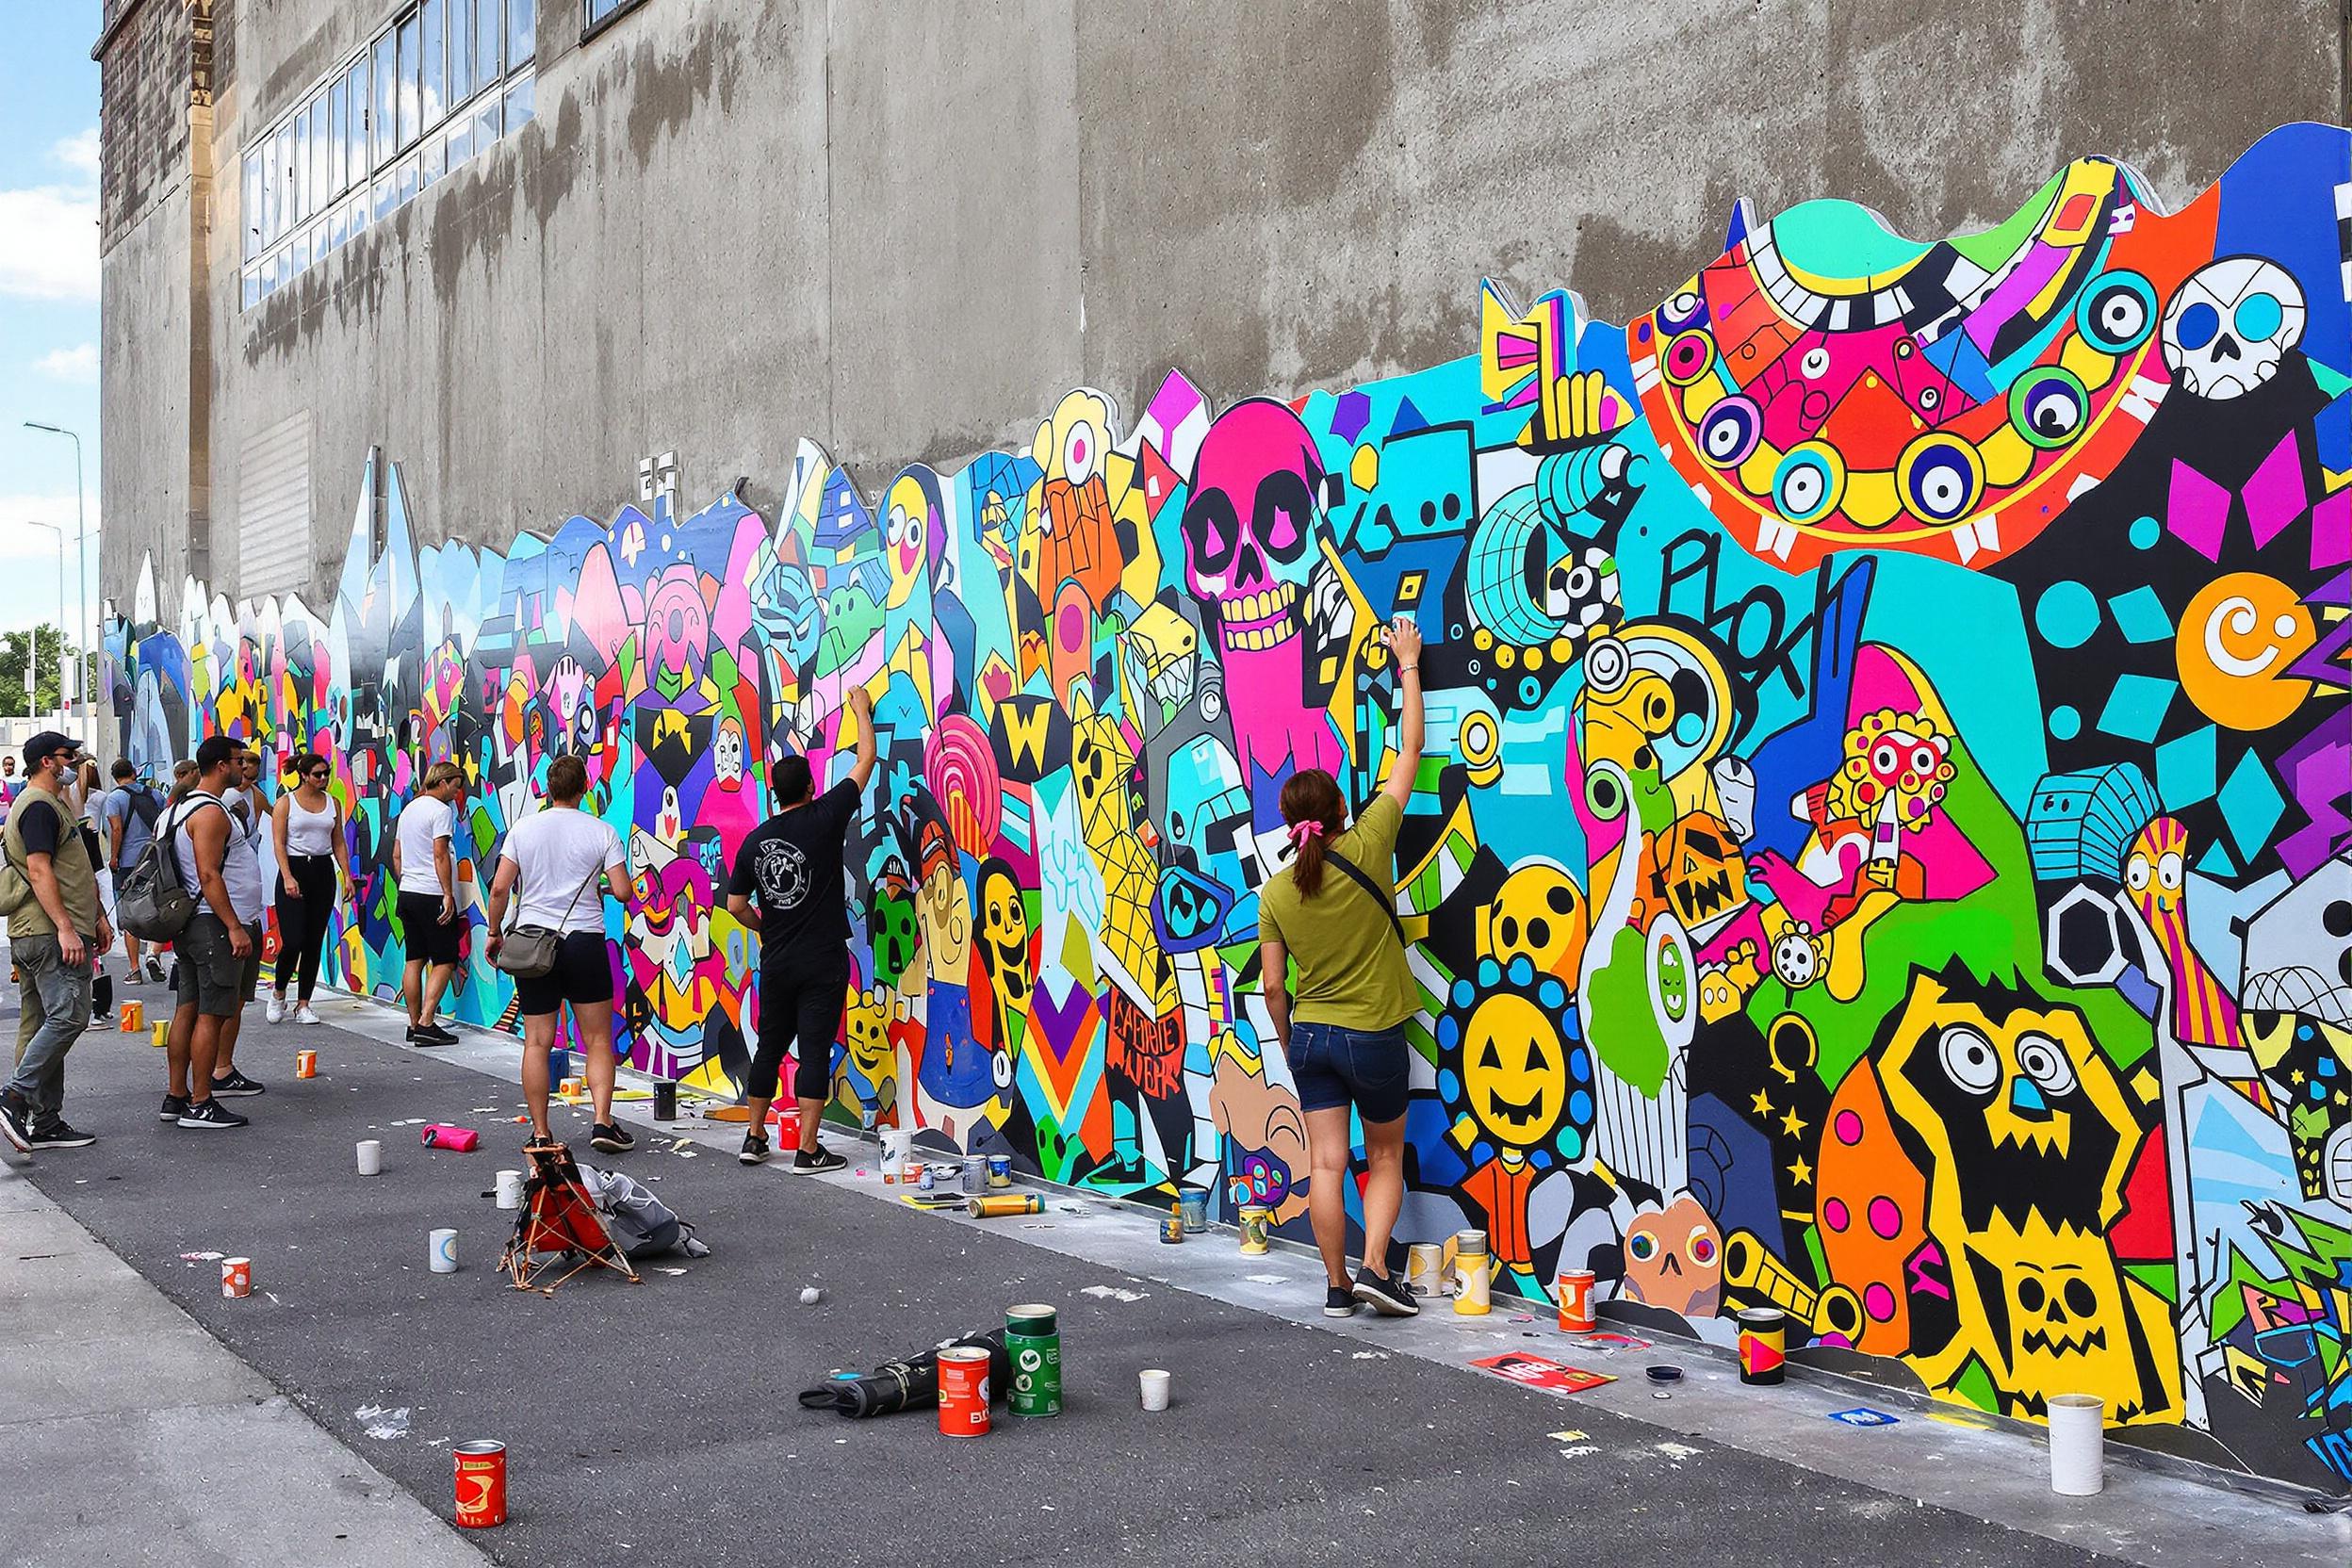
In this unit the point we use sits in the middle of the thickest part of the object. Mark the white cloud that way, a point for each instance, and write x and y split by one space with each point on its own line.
78 363
79 153
49 244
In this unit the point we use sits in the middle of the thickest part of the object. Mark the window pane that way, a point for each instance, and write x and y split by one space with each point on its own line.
249 215
522 30
320 142
461 50
461 141
430 40
410 61
518 108
385 111
486 124
487 34
281 169
331 117
298 176
253 287
356 124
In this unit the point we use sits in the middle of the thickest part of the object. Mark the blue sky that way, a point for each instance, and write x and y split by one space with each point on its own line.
48 297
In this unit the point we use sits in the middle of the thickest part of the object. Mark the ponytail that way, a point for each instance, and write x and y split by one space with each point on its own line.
1311 807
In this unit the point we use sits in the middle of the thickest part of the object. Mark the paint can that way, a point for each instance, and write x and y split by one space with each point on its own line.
2078 1444
1003 1205
1172 1227
371 1156
1193 1204
1256 1229
161 1034
441 1248
665 1100
1033 1342
1425 1269
559 1064
1574 1291
963 1390
134 1017
571 1089
481 1485
974 1177
1153 1384
510 1189
912 1173
305 1064
236 1276
1470 1276
1763 1345
1000 1172
896 1142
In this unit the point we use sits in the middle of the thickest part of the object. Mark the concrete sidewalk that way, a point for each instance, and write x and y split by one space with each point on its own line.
130 1435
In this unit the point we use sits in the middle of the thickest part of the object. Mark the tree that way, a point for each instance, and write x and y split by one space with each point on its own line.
47 645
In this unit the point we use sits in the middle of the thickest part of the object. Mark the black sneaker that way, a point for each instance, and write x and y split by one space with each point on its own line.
818 1161
608 1136
235 1085
211 1116
1339 1301
154 972
59 1136
431 1034
175 1107
1387 1297
754 1149
16 1122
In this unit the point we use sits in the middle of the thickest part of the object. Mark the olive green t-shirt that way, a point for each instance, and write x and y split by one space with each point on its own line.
1351 967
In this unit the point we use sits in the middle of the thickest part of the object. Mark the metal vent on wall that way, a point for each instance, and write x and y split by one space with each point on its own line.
273 543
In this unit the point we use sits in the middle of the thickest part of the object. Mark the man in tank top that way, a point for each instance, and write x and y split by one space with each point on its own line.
220 953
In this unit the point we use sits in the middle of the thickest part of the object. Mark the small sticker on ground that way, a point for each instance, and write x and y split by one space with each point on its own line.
1862 1415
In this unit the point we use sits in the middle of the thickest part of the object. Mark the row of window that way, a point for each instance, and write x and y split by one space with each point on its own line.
444 81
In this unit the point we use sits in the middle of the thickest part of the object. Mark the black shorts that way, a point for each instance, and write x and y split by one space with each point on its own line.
803 1008
422 934
582 974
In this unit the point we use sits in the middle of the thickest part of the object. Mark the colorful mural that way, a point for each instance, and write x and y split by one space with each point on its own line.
1885 849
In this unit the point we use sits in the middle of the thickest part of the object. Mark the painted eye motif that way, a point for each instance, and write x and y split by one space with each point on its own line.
2045 1064
2168 871
2136 873
1081 451
1815 364
1701 1249
1969 1060
1641 1247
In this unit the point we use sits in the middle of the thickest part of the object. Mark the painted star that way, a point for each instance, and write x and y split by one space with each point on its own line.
1763 1103
1800 1172
1792 1124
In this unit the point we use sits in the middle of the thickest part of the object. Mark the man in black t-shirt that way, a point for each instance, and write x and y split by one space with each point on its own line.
789 887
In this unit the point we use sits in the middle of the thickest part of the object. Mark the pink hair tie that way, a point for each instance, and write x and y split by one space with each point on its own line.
1301 831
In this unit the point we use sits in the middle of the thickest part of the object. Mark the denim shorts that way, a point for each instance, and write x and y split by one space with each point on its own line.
1333 1067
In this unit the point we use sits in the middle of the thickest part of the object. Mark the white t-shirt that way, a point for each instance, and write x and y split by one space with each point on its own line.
424 821
556 850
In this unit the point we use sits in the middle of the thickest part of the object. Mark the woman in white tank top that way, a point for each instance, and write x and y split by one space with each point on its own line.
317 869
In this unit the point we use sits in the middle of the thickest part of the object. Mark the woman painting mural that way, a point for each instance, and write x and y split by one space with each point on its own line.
1334 914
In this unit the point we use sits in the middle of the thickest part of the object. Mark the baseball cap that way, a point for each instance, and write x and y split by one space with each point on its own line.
50 741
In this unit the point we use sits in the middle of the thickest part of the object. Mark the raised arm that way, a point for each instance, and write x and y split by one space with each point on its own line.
1404 642
862 704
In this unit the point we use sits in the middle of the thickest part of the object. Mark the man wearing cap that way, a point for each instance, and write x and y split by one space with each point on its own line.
55 936
220 953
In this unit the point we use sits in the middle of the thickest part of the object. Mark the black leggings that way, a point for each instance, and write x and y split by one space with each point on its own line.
809 1008
303 922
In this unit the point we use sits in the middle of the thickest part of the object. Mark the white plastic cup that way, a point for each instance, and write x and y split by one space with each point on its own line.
1155 1384
510 1189
371 1156
2078 1444
442 1246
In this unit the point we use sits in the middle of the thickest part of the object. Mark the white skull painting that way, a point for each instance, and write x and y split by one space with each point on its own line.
2229 324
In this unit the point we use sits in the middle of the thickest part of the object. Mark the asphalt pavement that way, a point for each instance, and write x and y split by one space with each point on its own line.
657 1420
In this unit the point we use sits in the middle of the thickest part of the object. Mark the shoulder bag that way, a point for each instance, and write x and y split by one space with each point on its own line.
528 952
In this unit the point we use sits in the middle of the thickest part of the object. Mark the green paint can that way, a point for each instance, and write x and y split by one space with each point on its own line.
1033 1342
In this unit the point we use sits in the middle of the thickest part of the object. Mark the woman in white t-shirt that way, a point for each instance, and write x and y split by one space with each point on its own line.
559 854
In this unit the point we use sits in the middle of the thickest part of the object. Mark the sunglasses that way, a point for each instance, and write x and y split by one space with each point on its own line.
321 774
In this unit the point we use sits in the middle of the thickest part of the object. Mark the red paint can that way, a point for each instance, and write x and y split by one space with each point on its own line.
481 1485
963 1390
1575 1301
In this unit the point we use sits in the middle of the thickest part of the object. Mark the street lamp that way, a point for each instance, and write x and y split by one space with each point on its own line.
81 533
32 639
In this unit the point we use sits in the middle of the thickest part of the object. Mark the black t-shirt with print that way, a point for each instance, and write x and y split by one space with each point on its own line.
41 827
791 867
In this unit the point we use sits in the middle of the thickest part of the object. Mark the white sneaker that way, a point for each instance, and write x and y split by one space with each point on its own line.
303 1015
275 1012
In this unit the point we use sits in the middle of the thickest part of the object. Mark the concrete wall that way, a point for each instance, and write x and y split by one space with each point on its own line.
887 228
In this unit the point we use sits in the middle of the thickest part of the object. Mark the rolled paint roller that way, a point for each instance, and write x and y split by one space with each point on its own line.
440 1134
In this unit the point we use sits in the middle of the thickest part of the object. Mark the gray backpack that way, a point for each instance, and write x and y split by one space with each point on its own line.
152 903
642 1225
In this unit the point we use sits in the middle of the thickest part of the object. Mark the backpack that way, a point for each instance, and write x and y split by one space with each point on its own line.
642 1225
16 888
152 903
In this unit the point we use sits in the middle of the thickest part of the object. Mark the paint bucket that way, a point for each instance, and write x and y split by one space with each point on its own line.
1153 1384
161 1034
237 1276
1425 1269
963 1390
571 1089
1172 1227
896 1141
912 1173
1193 1204
1256 1229
371 1156
665 1100
1470 1277
1033 1343
1575 1293
510 1189
441 1248
1003 1205
974 1177
305 1064
2078 1444
1763 1346
1000 1172
559 1065
481 1485
440 1134
134 1017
